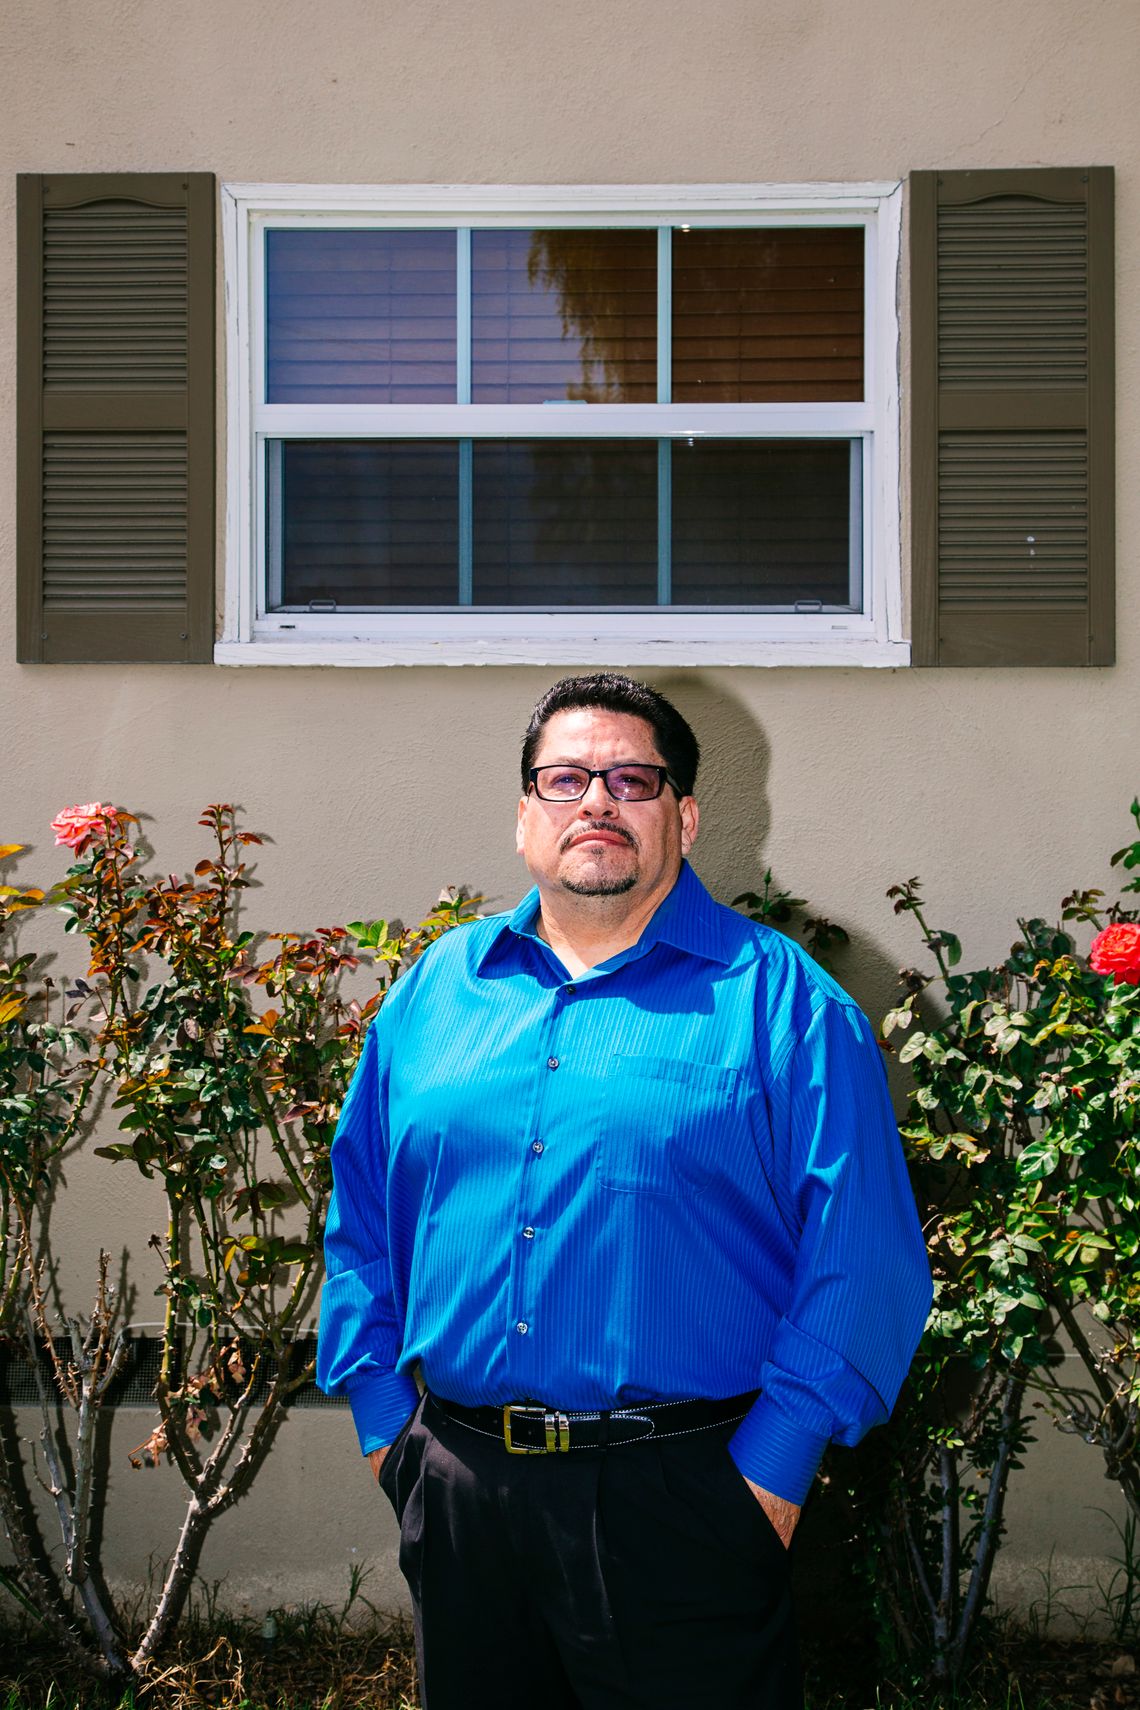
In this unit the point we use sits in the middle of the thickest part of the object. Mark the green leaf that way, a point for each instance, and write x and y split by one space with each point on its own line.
1039 1159
275 1194
368 933
294 1252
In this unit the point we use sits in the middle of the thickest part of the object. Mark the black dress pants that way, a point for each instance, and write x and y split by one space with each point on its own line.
643 1575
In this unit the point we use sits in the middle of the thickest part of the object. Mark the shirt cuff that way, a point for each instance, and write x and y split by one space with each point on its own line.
777 1453
381 1404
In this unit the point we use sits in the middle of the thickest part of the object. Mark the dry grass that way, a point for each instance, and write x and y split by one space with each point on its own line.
317 1662
321 1661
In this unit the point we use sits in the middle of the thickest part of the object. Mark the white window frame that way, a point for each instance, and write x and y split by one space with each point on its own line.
644 636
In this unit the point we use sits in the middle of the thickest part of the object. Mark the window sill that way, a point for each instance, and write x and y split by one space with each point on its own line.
582 647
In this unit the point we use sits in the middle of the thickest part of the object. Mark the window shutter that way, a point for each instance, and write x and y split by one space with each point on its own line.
1012 472
116 417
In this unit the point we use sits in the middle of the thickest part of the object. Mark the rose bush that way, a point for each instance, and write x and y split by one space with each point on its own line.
1024 1136
224 1070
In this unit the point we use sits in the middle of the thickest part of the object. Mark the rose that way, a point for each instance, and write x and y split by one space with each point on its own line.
1116 951
78 826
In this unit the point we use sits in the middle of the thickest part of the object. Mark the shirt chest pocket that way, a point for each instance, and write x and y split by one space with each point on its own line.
662 1122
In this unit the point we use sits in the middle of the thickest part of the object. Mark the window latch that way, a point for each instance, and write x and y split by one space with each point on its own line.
809 605
322 605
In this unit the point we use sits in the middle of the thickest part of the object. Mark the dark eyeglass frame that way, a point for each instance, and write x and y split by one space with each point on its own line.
664 776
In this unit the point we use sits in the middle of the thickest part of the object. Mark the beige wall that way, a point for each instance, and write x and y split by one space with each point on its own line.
1003 789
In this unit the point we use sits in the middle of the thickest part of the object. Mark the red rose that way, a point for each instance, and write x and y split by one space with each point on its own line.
1116 951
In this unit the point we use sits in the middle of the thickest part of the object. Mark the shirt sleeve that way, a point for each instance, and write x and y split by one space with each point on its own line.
861 1288
360 1333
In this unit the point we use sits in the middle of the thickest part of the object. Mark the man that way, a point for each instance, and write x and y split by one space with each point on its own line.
619 1174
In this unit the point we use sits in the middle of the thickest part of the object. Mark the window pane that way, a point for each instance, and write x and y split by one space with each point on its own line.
762 522
365 522
565 522
360 317
563 314
768 316
375 524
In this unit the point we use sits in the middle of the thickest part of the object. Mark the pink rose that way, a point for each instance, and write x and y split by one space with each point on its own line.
1116 951
78 826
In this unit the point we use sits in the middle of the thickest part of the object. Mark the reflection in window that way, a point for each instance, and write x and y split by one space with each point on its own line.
565 314
768 315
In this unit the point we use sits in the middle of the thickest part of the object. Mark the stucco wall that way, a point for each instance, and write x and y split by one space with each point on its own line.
1003 789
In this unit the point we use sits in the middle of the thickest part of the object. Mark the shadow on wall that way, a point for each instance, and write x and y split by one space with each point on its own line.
732 788
738 839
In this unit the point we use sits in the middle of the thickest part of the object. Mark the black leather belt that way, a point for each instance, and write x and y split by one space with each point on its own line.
527 1428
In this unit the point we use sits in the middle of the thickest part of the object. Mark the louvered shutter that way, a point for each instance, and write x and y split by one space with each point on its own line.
116 417
1012 489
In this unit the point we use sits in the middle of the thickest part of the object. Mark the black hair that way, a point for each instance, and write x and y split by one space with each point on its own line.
611 692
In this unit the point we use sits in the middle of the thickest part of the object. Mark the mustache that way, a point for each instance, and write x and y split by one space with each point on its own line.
607 827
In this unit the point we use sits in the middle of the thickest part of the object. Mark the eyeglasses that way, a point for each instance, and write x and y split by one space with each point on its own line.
624 783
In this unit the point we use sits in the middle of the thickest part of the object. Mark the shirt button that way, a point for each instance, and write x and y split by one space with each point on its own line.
570 990
522 1328
552 1062
528 1233
537 1146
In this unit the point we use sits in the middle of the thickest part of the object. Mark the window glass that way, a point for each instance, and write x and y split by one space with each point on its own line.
766 524
563 314
364 522
740 505
763 522
565 522
360 317
768 316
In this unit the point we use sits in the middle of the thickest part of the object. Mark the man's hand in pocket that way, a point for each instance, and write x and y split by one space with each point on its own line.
782 1514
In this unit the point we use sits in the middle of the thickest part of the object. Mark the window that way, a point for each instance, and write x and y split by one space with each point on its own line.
563 426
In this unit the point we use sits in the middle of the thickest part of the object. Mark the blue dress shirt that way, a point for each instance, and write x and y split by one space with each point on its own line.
677 1174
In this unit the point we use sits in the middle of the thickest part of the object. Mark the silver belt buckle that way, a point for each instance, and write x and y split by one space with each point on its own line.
555 1425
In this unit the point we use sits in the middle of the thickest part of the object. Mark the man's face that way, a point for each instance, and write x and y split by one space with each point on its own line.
598 846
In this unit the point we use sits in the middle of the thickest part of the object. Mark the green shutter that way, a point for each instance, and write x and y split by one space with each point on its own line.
116 442
1012 448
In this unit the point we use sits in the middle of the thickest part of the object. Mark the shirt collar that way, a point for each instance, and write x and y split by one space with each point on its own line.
687 920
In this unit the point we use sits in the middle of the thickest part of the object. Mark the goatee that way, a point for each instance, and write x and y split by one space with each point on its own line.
599 887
